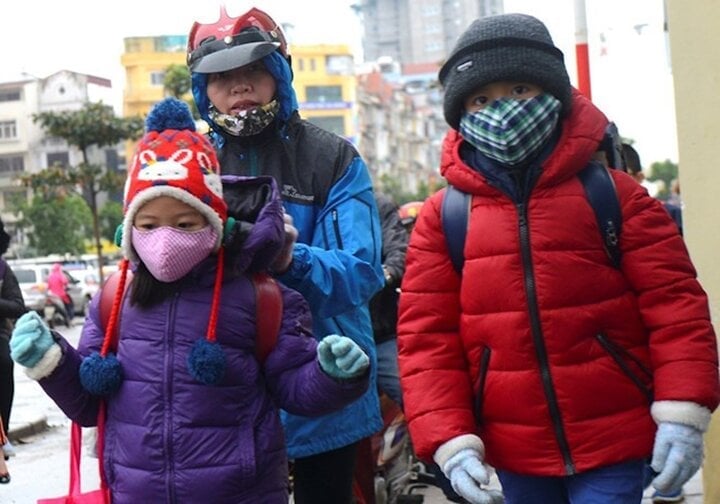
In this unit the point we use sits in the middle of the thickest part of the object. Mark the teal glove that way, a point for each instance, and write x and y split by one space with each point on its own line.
341 357
467 475
677 455
30 340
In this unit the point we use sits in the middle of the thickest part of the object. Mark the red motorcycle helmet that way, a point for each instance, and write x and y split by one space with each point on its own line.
409 212
232 42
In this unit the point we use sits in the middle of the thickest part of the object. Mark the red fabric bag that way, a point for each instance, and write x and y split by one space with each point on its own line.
75 495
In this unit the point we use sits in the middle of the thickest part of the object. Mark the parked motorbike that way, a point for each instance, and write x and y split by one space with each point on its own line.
54 313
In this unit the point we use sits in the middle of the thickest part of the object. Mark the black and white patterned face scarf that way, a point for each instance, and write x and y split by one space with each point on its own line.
247 122
512 131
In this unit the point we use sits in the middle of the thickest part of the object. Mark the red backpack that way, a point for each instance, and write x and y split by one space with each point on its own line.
268 317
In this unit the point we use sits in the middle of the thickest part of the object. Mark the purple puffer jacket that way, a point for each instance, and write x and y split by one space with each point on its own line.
171 439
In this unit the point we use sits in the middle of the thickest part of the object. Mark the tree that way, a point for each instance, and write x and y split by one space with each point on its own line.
93 125
667 171
178 83
60 224
390 186
111 216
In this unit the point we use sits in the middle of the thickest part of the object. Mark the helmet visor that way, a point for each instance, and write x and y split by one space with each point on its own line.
231 57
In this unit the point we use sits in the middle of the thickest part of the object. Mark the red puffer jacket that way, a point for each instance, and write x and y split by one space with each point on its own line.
545 350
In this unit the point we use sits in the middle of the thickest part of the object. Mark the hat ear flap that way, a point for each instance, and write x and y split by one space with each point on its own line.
118 235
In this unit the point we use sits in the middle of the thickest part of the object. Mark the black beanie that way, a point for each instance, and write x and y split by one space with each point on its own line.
506 47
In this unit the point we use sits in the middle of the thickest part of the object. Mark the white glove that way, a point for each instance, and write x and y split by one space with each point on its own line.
467 474
677 455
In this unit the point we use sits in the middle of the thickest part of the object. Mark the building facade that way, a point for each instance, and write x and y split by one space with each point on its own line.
24 147
146 60
401 124
418 31
324 82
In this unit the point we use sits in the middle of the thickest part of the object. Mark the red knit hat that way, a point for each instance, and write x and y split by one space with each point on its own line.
172 159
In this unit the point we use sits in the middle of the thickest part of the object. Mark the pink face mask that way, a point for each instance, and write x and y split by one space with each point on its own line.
170 253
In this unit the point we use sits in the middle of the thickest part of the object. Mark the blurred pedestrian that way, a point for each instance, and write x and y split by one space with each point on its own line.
57 284
242 85
186 379
383 306
12 306
673 204
543 357
4 472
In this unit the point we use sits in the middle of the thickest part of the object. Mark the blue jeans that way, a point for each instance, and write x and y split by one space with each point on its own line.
388 374
619 484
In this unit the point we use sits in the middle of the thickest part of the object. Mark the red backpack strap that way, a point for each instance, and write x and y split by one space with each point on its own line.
107 294
269 303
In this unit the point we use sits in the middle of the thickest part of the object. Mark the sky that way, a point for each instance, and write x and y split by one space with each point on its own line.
630 72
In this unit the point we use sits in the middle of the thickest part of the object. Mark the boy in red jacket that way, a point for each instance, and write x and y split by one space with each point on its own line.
542 358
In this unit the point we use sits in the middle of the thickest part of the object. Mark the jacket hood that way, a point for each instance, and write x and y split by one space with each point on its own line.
278 67
255 204
579 139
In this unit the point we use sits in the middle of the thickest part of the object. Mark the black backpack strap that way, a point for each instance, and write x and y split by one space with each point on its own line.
600 191
454 214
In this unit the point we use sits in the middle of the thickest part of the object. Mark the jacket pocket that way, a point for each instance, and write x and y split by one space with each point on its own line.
480 384
630 365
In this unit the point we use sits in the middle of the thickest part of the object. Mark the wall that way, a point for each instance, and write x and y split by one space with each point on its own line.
696 71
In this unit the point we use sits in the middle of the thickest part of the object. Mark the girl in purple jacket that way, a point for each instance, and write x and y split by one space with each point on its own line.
192 414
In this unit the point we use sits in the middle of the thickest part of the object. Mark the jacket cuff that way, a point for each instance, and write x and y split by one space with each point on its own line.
462 442
682 412
299 265
47 364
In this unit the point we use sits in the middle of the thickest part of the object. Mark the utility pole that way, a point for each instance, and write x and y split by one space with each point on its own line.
582 57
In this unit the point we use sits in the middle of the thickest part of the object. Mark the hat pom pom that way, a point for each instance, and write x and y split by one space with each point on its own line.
99 375
170 114
206 362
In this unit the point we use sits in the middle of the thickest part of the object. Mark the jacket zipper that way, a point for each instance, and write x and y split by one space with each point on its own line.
169 362
539 339
621 357
336 228
484 366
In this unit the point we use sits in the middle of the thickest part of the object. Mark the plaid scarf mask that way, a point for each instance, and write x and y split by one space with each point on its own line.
512 131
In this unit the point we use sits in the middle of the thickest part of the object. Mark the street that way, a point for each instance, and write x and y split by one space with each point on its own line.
40 469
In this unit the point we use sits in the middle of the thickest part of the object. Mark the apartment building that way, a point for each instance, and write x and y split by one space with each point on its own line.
418 31
24 148
324 81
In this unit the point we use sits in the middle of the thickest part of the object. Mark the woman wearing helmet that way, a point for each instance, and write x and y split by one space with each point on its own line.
241 80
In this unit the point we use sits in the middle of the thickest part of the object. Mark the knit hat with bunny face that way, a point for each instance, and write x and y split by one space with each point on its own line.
172 160
506 47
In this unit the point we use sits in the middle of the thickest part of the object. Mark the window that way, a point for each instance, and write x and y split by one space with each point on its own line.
157 78
323 93
60 158
7 95
8 130
112 159
333 124
11 164
170 43
301 64
339 65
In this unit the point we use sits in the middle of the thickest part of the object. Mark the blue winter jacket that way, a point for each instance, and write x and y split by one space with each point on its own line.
326 188
170 438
